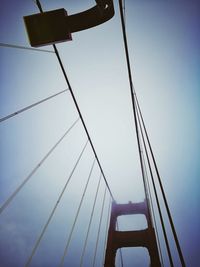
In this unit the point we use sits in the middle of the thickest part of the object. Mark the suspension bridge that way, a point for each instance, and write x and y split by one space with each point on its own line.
75 222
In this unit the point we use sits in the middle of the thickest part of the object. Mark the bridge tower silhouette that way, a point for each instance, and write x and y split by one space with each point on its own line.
140 238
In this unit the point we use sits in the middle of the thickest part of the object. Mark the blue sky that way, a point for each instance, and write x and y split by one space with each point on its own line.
164 41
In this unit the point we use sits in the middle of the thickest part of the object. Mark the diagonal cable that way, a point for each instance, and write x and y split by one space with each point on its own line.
12 196
25 48
54 209
76 217
31 106
99 228
91 218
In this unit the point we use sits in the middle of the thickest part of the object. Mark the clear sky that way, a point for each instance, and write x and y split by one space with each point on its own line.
164 42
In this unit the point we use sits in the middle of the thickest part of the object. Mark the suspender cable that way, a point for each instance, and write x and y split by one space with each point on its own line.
53 210
31 106
152 209
99 228
25 48
76 216
13 195
120 251
91 218
77 107
121 257
132 96
106 235
156 195
162 189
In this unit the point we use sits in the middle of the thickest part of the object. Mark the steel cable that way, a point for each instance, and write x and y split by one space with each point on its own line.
132 95
134 103
76 217
31 106
156 195
162 189
99 228
90 221
77 107
107 227
25 48
37 243
13 195
152 211
120 250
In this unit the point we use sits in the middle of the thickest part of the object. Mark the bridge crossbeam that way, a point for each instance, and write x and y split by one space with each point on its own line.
140 238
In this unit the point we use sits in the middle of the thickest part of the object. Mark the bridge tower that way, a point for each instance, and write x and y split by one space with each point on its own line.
140 238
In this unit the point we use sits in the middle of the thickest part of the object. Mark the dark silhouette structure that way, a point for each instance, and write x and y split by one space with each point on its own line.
56 26
140 238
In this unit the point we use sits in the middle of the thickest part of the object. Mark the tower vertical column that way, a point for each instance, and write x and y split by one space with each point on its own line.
140 238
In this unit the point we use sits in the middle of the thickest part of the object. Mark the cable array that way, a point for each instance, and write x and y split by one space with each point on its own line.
54 209
41 162
135 105
90 222
35 169
120 250
162 189
77 106
132 95
152 209
107 227
99 228
155 193
76 217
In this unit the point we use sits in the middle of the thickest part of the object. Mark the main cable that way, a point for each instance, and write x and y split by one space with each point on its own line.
77 107
133 99
17 190
162 189
31 106
134 108
152 209
124 8
156 194
37 243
